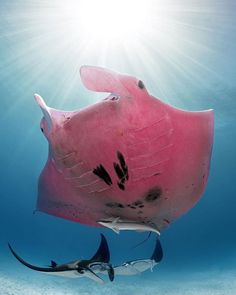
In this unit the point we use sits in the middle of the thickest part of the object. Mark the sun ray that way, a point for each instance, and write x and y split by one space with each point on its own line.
43 44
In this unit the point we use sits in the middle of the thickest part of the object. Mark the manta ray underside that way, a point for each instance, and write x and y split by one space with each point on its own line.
130 155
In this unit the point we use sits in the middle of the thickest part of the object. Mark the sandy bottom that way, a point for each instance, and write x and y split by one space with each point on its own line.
23 282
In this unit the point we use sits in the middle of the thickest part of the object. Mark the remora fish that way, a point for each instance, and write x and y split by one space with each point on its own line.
117 224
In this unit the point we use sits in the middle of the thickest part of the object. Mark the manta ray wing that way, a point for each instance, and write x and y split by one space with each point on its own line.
37 268
157 254
103 253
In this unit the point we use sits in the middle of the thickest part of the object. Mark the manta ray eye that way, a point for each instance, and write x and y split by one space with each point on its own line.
140 84
42 129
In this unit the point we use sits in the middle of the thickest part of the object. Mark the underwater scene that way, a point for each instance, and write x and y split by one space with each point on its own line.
118 147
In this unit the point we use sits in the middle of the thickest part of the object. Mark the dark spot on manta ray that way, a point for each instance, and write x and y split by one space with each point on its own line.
137 203
123 165
153 194
166 220
101 172
42 129
121 186
141 84
119 172
156 174
114 205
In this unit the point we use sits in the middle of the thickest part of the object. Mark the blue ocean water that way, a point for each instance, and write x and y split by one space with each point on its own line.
190 63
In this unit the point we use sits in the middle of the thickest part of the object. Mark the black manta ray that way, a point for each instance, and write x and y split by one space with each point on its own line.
100 262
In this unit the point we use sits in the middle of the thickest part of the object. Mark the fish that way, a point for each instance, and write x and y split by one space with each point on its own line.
116 224
129 155
100 262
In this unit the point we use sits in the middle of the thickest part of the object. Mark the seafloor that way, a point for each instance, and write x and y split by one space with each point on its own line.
15 280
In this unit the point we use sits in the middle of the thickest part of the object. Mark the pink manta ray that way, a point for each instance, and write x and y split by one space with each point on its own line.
130 156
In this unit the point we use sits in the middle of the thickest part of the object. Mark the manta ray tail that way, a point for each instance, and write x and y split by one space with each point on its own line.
157 253
95 276
149 234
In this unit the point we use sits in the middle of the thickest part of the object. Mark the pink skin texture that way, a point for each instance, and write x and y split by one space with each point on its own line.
130 155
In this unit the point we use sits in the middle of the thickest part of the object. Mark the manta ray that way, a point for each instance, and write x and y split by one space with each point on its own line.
129 157
138 266
100 262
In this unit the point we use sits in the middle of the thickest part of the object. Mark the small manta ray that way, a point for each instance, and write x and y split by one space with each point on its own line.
78 268
137 266
129 155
